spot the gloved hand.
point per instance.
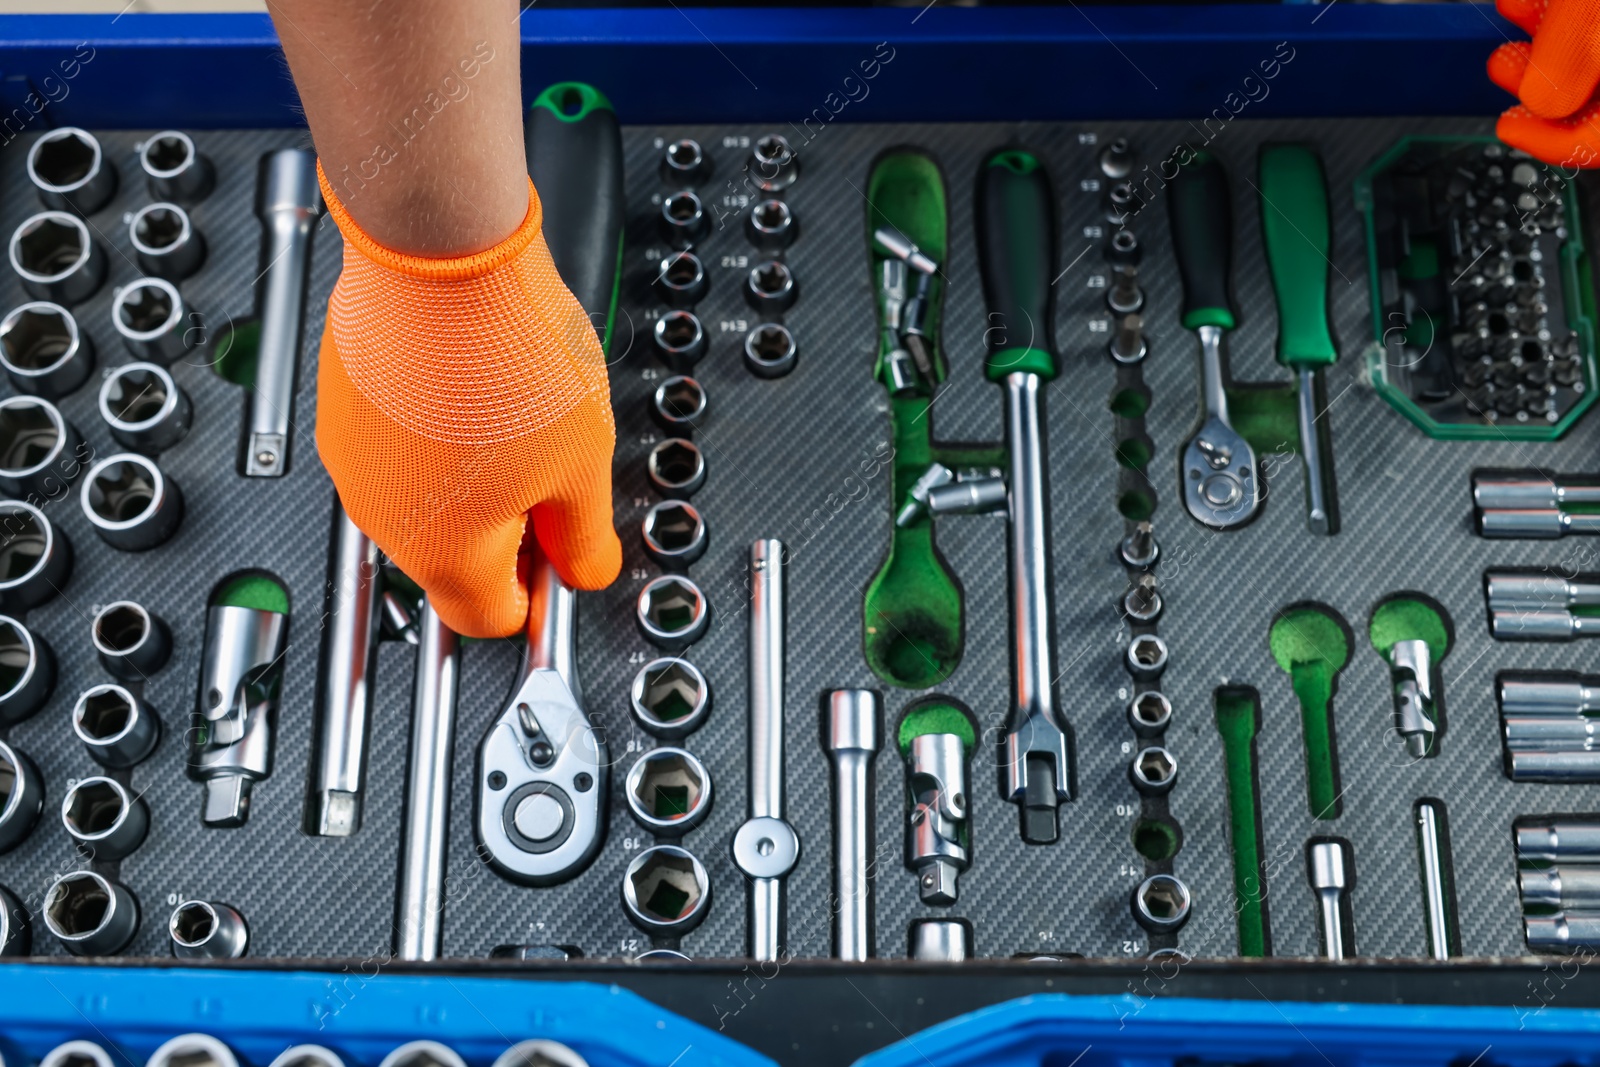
(1555, 77)
(462, 407)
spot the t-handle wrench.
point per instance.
(1016, 225)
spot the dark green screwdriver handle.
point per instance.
(1201, 212)
(1294, 229)
(1016, 222)
(574, 147)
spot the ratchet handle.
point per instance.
(574, 148)
(1016, 225)
(1200, 210)
(1295, 231)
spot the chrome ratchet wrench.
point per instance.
(419, 900)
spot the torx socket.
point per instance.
(25, 800)
(206, 930)
(969, 497)
(144, 408)
(165, 243)
(43, 351)
(1566, 932)
(35, 557)
(852, 732)
(154, 323)
(1563, 733)
(70, 171)
(117, 728)
(1116, 158)
(674, 533)
(39, 449)
(1139, 549)
(770, 287)
(672, 612)
(1149, 713)
(680, 341)
(670, 698)
(90, 914)
(770, 350)
(174, 170)
(1329, 870)
(1539, 524)
(1153, 771)
(130, 503)
(676, 468)
(1556, 839)
(27, 672)
(683, 163)
(1526, 624)
(939, 940)
(678, 404)
(1557, 767)
(16, 933)
(668, 791)
(665, 891)
(1128, 345)
(56, 258)
(1494, 489)
(131, 642)
(1142, 602)
(1574, 887)
(1161, 903)
(1539, 591)
(681, 281)
(103, 819)
(773, 163)
(770, 226)
(683, 219)
(1146, 657)
(1546, 693)
(1125, 297)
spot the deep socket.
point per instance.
(771, 288)
(205, 930)
(90, 914)
(670, 698)
(665, 891)
(43, 351)
(773, 163)
(852, 733)
(770, 351)
(681, 281)
(1328, 868)
(680, 340)
(154, 323)
(70, 171)
(683, 219)
(56, 258)
(1557, 839)
(131, 504)
(1526, 624)
(1537, 524)
(678, 404)
(672, 612)
(103, 819)
(1546, 765)
(676, 468)
(165, 243)
(144, 408)
(131, 642)
(1149, 713)
(1574, 887)
(1546, 693)
(35, 558)
(27, 672)
(684, 163)
(1146, 657)
(1561, 933)
(1153, 771)
(1565, 733)
(770, 226)
(674, 533)
(1539, 591)
(174, 170)
(117, 728)
(1127, 345)
(1161, 903)
(39, 450)
(1496, 489)
(25, 801)
(668, 791)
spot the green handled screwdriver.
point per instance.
(1294, 229)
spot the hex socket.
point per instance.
(56, 258)
(770, 226)
(773, 163)
(676, 468)
(1146, 657)
(118, 729)
(189, 1050)
(38, 448)
(770, 350)
(150, 315)
(16, 932)
(542, 1053)
(27, 672)
(131, 504)
(683, 219)
(770, 287)
(103, 819)
(77, 1054)
(43, 351)
(308, 1056)
(145, 408)
(90, 914)
(670, 698)
(206, 930)
(132, 643)
(683, 162)
(25, 801)
(674, 533)
(1153, 771)
(1149, 713)
(70, 172)
(668, 791)
(1161, 903)
(34, 557)
(678, 404)
(681, 281)
(665, 891)
(165, 242)
(174, 170)
(680, 341)
(672, 612)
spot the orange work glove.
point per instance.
(1555, 78)
(458, 400)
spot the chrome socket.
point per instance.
(27, 672)
(683, 219)
(1557, 838)
(1153, 771)
(25, 800)
(770, 351)
(130, 503)
(770, 288)
(668, 791)
(91, 915)
(972, 496)
(1149, 713)
(939, 940)
(34, 557)
(174, 170)
(70, 172)
(39, 450)
(165, 243)
(1146, 657)
(118, 728)
(672, 612)
(43, 351)
(150, 315)
(1161, 904)
(681, 281)
(308, 1056)
(680, 341)
(678, 405)
(773, 163)
(684, 163)
(670, 698)
(77, 1054)
(56, 258)
(16, 931)
(674, 533)
(677, 468)
(1122, 248)
(541, 1053)
(770, 226)
(422, 1054)
(1561, 933)
(144, 407)
(665, 891)
(205, 930)
(193, 1050)
(131, 642)
(103, 819)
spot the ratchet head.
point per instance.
(1221, 484)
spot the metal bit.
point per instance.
(938, 833)
(892, 242)
(1437, 899)
(1128, 344)
(1125, 297)
(241, 672)
(1411, 669)
(1327, 864)
(1319, 515)
(967, 497)
(936, 475)
(914, 325)
(1142, 602)
(852, 721)
(893, 283)
(1139, 549)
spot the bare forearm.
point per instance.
(415, 108)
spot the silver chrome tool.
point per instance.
(1153, 771)
(56, 258)
(193, 1050)
(1561, 932)
(1536, 523)
(678, 405)
(308, 1056)
(852, 730)
(674, 533)
(541, 1053)
(42, 350)
(1139, 549)
(770, 350)
(969, 496)
(155, 323)
(1415, 708)
(765, 847)
(1150, 713)
(174, 169)
(117, 728)
(681, 282)
(1124, 297)
(1547, 693)
(1574, 887)
(16, 929)
(543, 765)
(206, 930)
(132, 643)
(422, 1054)
(77, 1054)
(1127, 345)
(1116, 158)
(288, 202)
(665, 891)
(70, 172)
(1546, 765)
(670, 698)
(425, 820)
(683, 219)
(1161, 903)
(770, 288)
(770, 226)
(1221, 485)
(1142, 601)
(236, 708)
(680, 340)
(1495, 489)
(130, 503)
(1438, 892)
(23, 802)
(1557, 839)
(935, 476)
(144, 408)
(27, 670)
(1328, 866)
(1537, 605)
(939, 940)
(672, 612)
(103, 819)
(773, 164)
(342, 723)
(1146, 657)
(165, 243)
(1527, 624)
(668, 791)
(939, 833)
(35, 558)
(40, 451)
(684, 163)
(90, 914)
(677, 468)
